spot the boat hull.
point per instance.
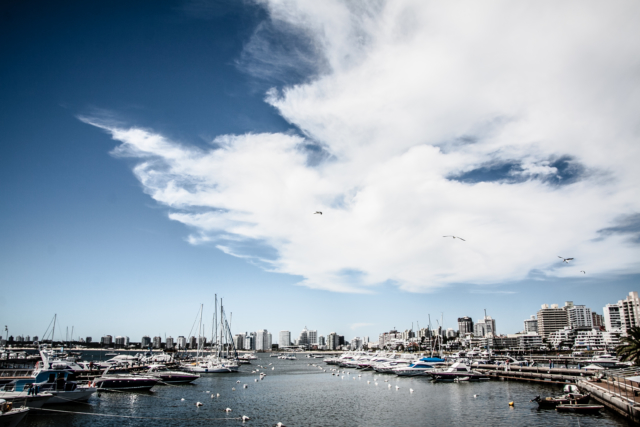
(12, 418)
(123, 384)
(22, 399)
(580, 409)
(78, 395)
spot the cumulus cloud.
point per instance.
(511, 124)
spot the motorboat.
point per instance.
(578, 408)
(60, 384)
(171, 377)
(458, 370)
(571, 395)
(212, 365)
(606, 361)
(287, 357)
(388, 367)
(25, 398)
(10, 416)
(124, 381)
(415, 369)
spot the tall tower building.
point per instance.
(630, 311)
(551, 319)
(284, 339)
(579, 317)
(465, 325)
(531, 325)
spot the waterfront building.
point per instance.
(531, 325)
(589, 340)
(28, 338)
(630, 312)
(387, 338)
(551, 319)
(106, 340)
(119, 341)
(269, 341)
(284, 338)
(499, 342)
(202, 342)
(169, 343)
(332, 341)
(238, 341)
(451, 333)
(611, 339)
(35, 338)
(193, 342)
(612, 319)
(263, 340)
(407, 335)
(157, 342)
(182, 343)
(563, 337)
(485, 327)
(365, 340)
(579, 317)
(312, 336)
(465, 325)
(597, 319)
(250, 341)
(529, 341)
(88, 340)
(321, 341)
(356, 343)
(145, 342)
(303, 339)
(126, 341)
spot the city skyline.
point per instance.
(154, 155)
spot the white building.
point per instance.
(612, 319)
(263, 340)
(250, 341)
(531, 325)
(551, 319)
(579, 317)
(485, 327)
(529, 340)
(332, 341)
(630, 311)
(321, 341)
(284, 339)
(238, 341)
(356, 344)
(590, 340)
(169, 343)
(451, 333)
(157, 342)
(144, 343)
(182, 343)
(562, 337)
(312, 336)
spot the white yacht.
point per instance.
(416, 369)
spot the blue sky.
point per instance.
(155, 155)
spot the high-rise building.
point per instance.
(126, 341)
(238, 341)
(250, 341)
(106, 340)
(551, 319)
(303, 339)
(169, 343)
(332, 341)
(182, 343)
(120, 341)
(597, 319)
(321, 341)
(284, 339)
(612, 318)
(579, 317)
(465, 325)
(485, 327)
(451, 333)
(157, 342)
(263, 340)
(531, 325)
(630, 311)
(193, 343)
(88, 340)
(312, 336)
(145, 342)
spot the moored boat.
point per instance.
(578, 408)
(124, 382)
(10, 416)
(171, 377)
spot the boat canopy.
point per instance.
(432, 359)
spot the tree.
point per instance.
(629, 349)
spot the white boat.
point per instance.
(25, 398)
(9, 415)
(415, 369)
(606, 361)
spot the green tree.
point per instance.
(629, 349)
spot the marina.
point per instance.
(304, 392)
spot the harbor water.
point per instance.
(297, 394)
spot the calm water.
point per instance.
(300, 395)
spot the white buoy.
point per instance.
(397, 388)
(368, 382)
(273, 368)
(233, 389)
(410, 390)
(182, 399)
(389, 385)
(376, 384)
(256, 380)
(238, 382)
(218, 395)
(280, 424)
(227, 410)
(245, 418)
(245, 386)
(199, 404)
(212, 396)
(475, 395)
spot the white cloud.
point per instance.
(416, 93)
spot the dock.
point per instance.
(618, 390)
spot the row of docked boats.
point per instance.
(433, 367)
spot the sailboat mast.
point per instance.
(53, 333)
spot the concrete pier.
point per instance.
(617, 394)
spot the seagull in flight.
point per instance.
(317, 212)
(565, 259)
(456, 237)
(583, 272)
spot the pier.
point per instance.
(618, 390)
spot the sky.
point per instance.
(154, 155)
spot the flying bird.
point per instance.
(456, 237)
(583, 272)
(317, 212)
(565, 259)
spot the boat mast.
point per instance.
(53, 332)
(213, 326)
(200, 334)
